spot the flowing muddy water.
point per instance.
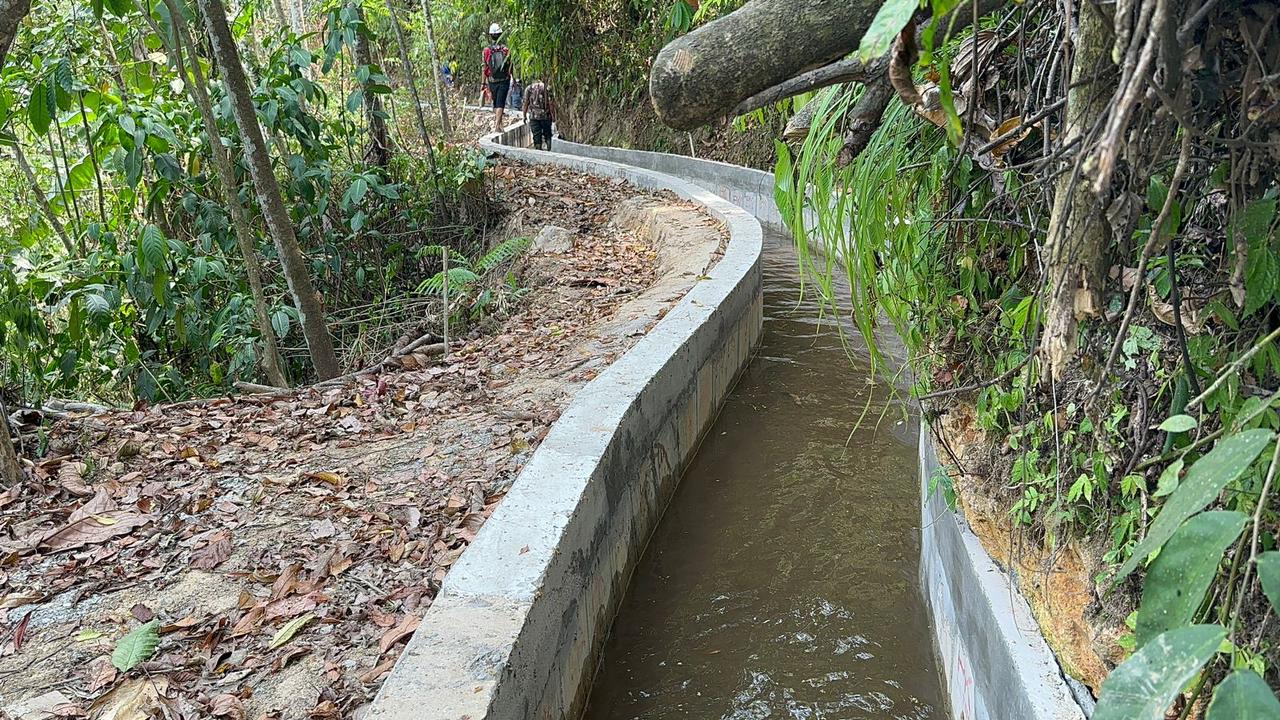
(782, 580)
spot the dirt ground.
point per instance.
(286, 546)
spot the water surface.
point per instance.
(782, 580)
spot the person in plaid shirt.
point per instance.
(540, 112)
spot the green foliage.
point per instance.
(892, 16)
(1144, 686)
(1269, 575)
(949, 251)
(1180, 575)
(152, 302)
(471, 282)
(136, 647)
(1204, 482)
(1243, 696)
(1262, 272)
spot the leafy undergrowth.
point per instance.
(267, 556)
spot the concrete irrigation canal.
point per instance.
(783, 578)
(706, 534)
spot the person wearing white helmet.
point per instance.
(497, 73)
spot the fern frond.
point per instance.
(459, 279)
(504, 252)
(438, 251)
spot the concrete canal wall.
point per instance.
(515, 632)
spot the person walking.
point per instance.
(497, 74)
(540, 112)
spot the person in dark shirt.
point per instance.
(540, 112)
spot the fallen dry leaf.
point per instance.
(40, 707)
(289, 607)
(373, 675)
(214, 554)
(406, 627)
(134, 699)
(101, 673)
(71, 478)
(227, 705)
(291, 628)
(96, 521)
(18, 599)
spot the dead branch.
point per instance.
(902, 59)
(843, 71)
(864, 119)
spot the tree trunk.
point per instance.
(12, 13)
(435, 67)
(705, 74)
(406, 67)
(378, 151)
(280, 14)
(772, 49)
(10, 468)
(272, 363)
(267, 187)
(1077, 228)
(41, 200)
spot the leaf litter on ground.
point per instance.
(283, 548)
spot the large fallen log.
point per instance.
(770, 50)
(704, 75)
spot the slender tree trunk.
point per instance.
(280, 15)
(41, 200)
(267, 187)
(10, 468)
(378, 151)
(272, 364)
(406, 67)
(435, 66)
(1077, 229)
(11, 14)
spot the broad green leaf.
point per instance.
(1269, 574)
(1144, 686)
(1203, 483)
(1184, 569)
(1243, 696)
(38, 110)
(280, 323)
(136, 647)
(64, 76)
(153, 247)
(355, 194)
(81, 175)
(97, 305)
(119, 8)
(291, 628)
(1168, 481)
(1262, 274)
(1178, 423)
(892, 16)
(133, 167)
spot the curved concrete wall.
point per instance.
(517, 627)
(996, 664)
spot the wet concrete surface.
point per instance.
(782, 581)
